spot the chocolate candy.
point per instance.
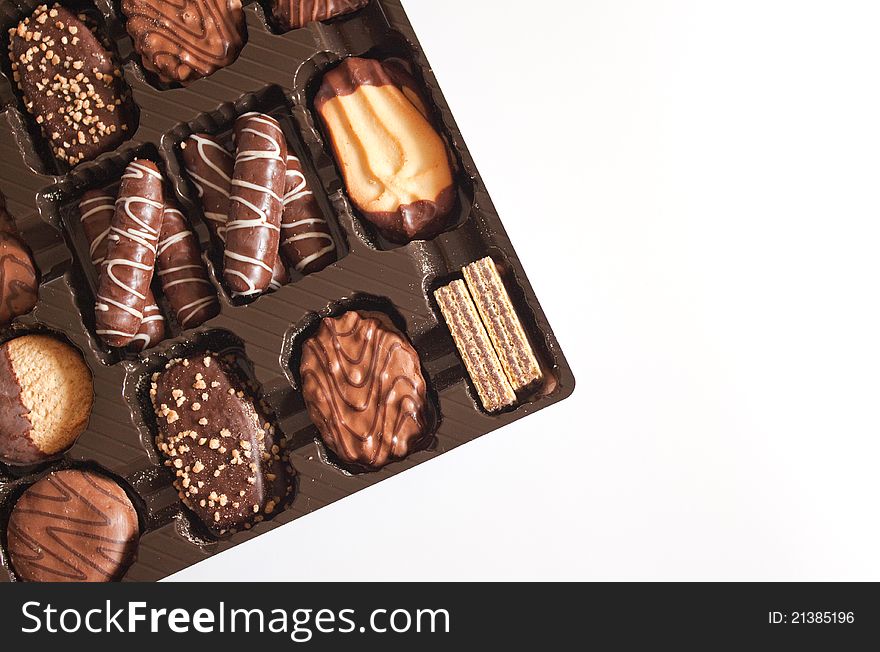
(182, 273)
(19, 279)
(363, 386)
(46, 398)
(72, 526)
(96, 210)
(395, 165)
(502, 324)
(72, 86)
(306, 242)
(185, 40)
(226, 463)
(255, 206)
(210, 166)
(127, 271)
(293, 14)
(280, 276)
(475, 347)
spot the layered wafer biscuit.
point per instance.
(475, 347)
(502, 323)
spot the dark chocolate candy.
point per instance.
(19, 279)
(363, 386)
(72, 526)
(97, 208)
(210, 166)
(306, 242)
(71, 84)
(226, 461)
(185, 40)
(396, 166)
(293, 14)
(253, 228)
(182, 273)
(127, 271)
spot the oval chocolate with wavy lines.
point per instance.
(364, 389)
(19, 281)
(185, 40)
(293, 14)
(72, 526)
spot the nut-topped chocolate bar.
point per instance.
(248, 268)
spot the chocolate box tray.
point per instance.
(277, 73)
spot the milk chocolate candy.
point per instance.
(502, 324)
(223, 454)
(293, 14)
(152, 328)
(127, 271)
(280, 275)
(210, 166)
(253, 228)
(363, 386)
(182, 273)
(72, 526)
(395, 165)
(185, 40)
(73, 86)
(19, 278)
(97, 208)
(476, 349)
(306, 242)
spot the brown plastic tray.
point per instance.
(277, 74)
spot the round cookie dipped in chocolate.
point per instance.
(293, 14)
(253, 228)
(396, 167)
(363, 386)
(185, 40)
(72, 526)
(127, 272)
(182, 273)
(71, 84)
(19, 279)
(46, 398)
(96, 209)
(306, 242)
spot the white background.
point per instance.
(692, 187)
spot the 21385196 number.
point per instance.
(822, 617)
(812, 617)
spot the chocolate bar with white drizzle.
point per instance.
(306, 242)
(96, 212)
(127, 271)
(253, 227)
(210, 166)
(182, 273)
